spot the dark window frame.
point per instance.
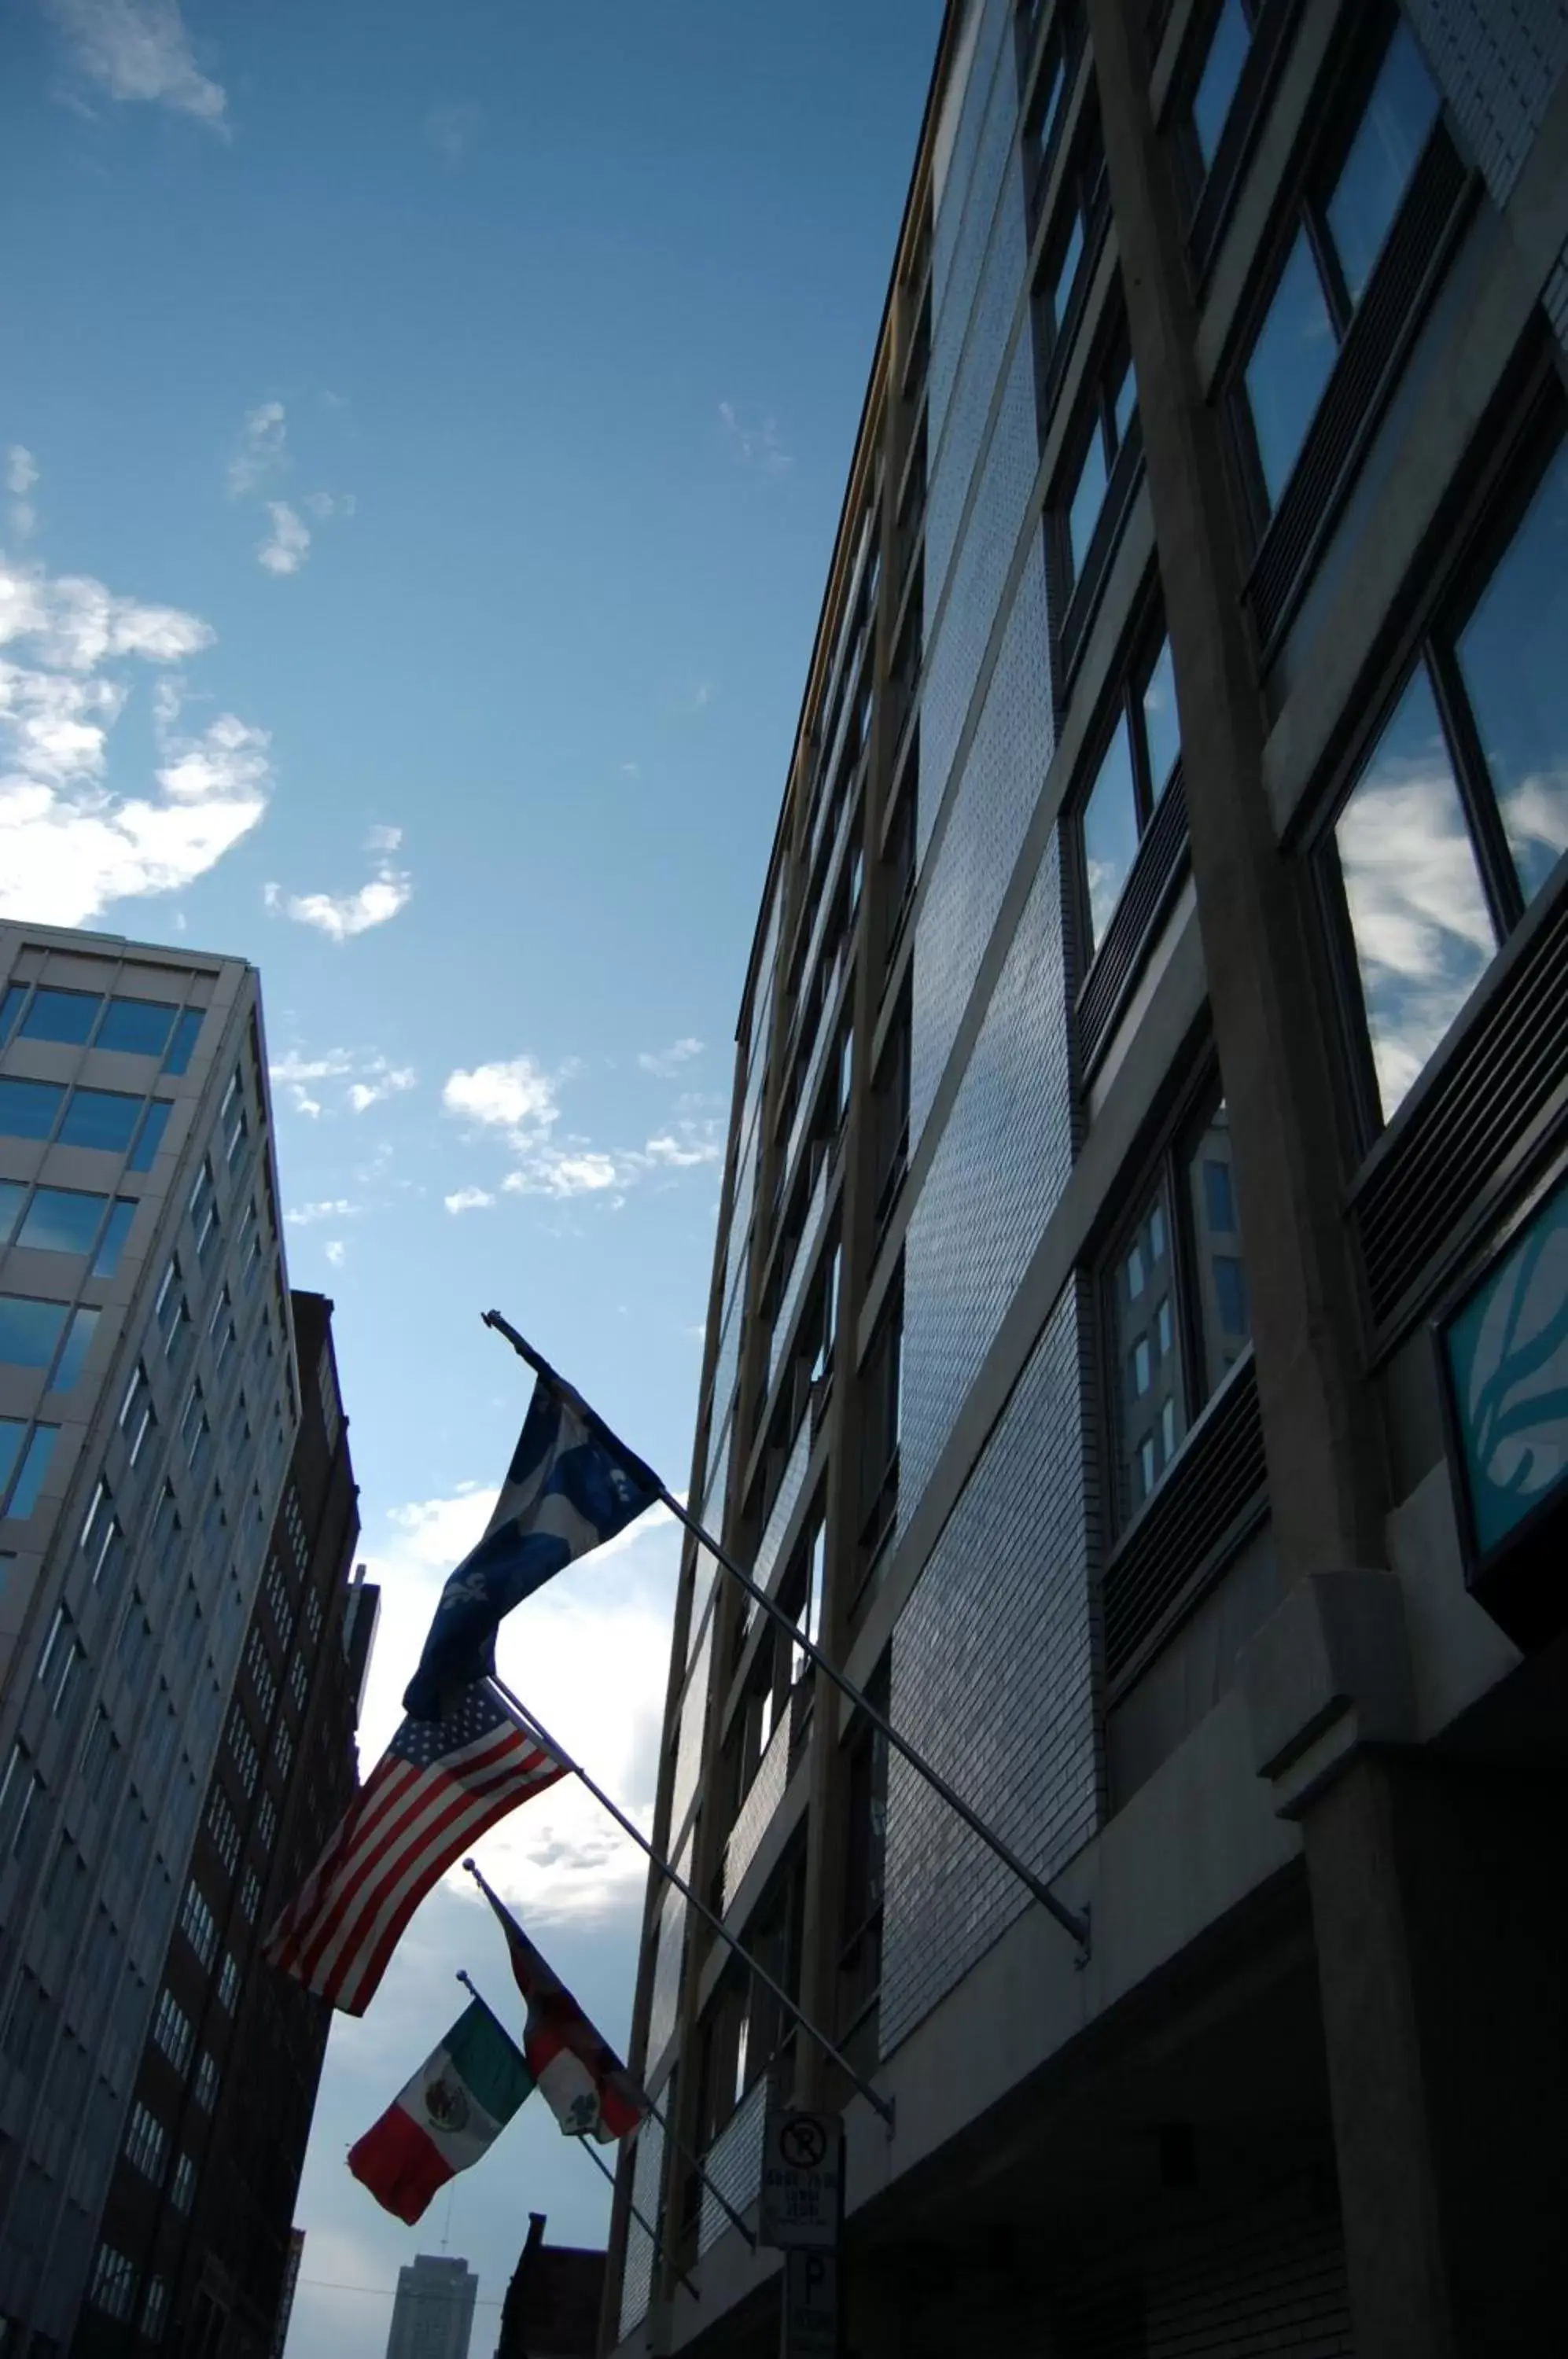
(1493, 501)
(1077, 589)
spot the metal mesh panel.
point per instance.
(637, 2279)
(733, 2162)
(1498, 62)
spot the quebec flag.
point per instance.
(570, 1487)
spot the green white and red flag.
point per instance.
(451, 2114)
(578, 2074)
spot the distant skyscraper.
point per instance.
(149, 1404)
(433, 2314)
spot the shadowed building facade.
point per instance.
(1137, 1348)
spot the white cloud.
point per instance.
(71, 846)
(341, 915)
(667, 1062)
(389, 1082)
(451, 130)
(518, 1099)
(573, 1170)
(384, 839)
(689, 1145)
(590, 1652)
(469, 1199)
(263, 449)
(755, 445)
(21, 474)
(335, 1251)
(328, 1208)
(290, 543)
(515, 1095)
(140, 51)
(367, 1078)
(325, 505)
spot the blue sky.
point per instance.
(424, 430)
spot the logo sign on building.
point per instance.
(801, 2199)
(1503, 1351)
(811, 2306)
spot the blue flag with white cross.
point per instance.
(570, 1487)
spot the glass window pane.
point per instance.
(12, 1429)
(1511, 653)
(1152, 1411)
(1291, 363)
(185, 1037)
(1161, 729)
(11, 1194)
(116, 1229)
(1124, 401)
(1417, 910)
(61, 1015)
(1217, 83)
(151, 1136)
(61, 1220)
(1223, 1321)
(1088, 499)
(27, 1109)
(1055, 79)
(34, 1467)
(1383, 154)
(1067, 271)
(102, 1118)
(1110, 833)
(10, 1008)
(29, 1331)
(78, 1343)
(137, 1027)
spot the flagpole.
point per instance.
(517, 1711)
(658, 2243)
(1071, 1921)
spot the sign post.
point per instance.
(800, 2212)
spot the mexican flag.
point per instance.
(452, 2112)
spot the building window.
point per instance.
(866, 1845)
(1110, 404)
(882, 1419)
(204, 1211)
(114, 2282)
(233, 1122)
(1134, 769)
(1342, 222)
(242, 1749)
(298, 1681)
(1048, 108)
(228, 1983)
(24, 1462)
(155, 2302)
(171, 1312)
(1219, 75)
(1458, 816)
(267, 1825)
(283, 1749)
(147, 2141)
(182, 2188)
(199, 1924)
(29, 1331)
(250, 1895)
(61, 1661)
(104, 1119)
(1069, 248)
(223, 1828)
(66, 1017)
(204, 2089)
(1176, 1300)
(137, 1028)
(173, 2030)
(136, 1417)
(186, 1033)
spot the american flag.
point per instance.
(434, 1791)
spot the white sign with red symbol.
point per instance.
(801, 2199)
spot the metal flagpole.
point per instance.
(652, 2233)
(525, 1720)
(1071, 1921)
(652, 2110)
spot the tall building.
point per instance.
(194, 2241)
(150, 1401)
(1137, 1337)
(432, 2316)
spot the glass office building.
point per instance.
(1136, 1340)
(149, 1403)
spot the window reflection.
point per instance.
(1383, 154)
(1217, 84)
(1417, 909)
(1512, 656)
(1291, 363)
(1110, 833)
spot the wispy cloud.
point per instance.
(140, 50)
(325, 505)
(326, 1208)
(288, 545)
(469, 1199)
(518, 1100)
(341, 916)
(361, 1079)
(382, 839)
(21, 474)
(666, 1062)
(451, 130)
(753, 443)
(336, 1252)
(70, 844)
(262, 450)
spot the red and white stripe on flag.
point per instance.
(440, 1784)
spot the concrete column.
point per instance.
(1440, 1917)
(1321, 1427)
